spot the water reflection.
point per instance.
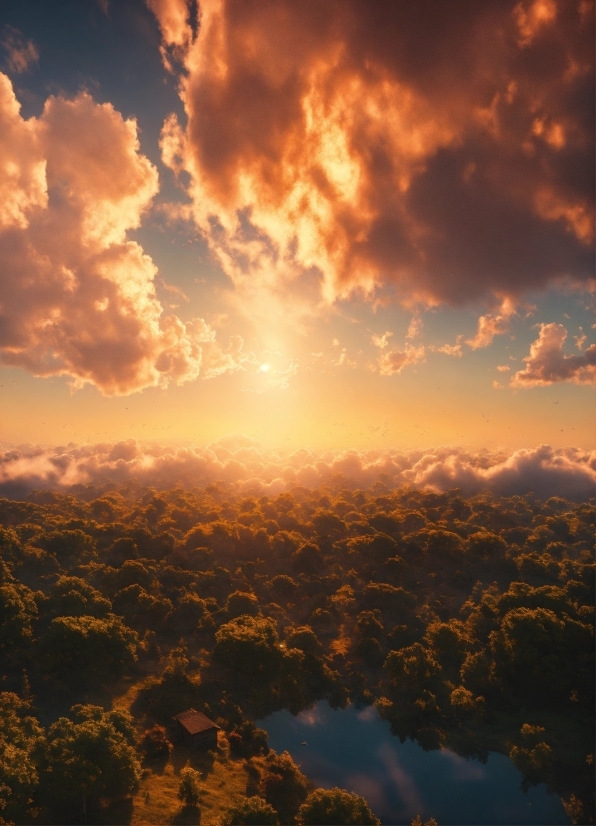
(354, 749)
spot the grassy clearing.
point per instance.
(223, 783)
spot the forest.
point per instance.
(467, 622)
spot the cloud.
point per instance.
(239, 462)
(547, 363)
(381, 341)
(403, 780)
(77, 297)
(450, 349)
(277, 378)
(414, 328)
(503, 368)
(20, 53)
(433, 153)
(580, 339)
(393, 361)
(490, 326)
(343, 360)
(176, 26)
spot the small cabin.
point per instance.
(196, 730)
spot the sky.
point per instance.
(346, 226)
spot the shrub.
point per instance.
(252, 812)
(189, 791)
(246, 740)
(155, 743)
(331, 807)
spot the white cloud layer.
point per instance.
(238, 461)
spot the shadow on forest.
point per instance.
(118, 811)
(187, 816)
(162, 700)
(181, 756)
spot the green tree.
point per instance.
(308, 559)
(370, 652)
(413, 668)
(248, 646)
(18, 612)
(20, 739)
(155, 742)
(246, 740)
(283, 785)
(141, 609)
(331, 807)
(91, 755)
(71, 596)
(251, 812)
(368, 625)
(10, 548)
(88, 648)
(304, 639)
(283, 586)
(189, 790)
(189, 611)
(68, 545)
(541, 655)
(242, 602)
(465, 706)
(449, 643)
(534, 757)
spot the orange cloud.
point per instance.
(337, 149)
(450, 349)
(532, 17)
(77, 298)
(414, 328)
(20, 53)
(490, 326)
(547, 363)
(381, 341)
(394, 361)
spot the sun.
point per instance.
(264, 368)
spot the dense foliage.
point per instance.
(330, 807)
(468, 622)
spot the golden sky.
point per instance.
(317, 225)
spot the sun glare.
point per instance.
(264, 368)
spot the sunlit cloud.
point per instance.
(350, 169)
(381, 341)
(240, 462)
(20, 53)
(77, 297)
(490, 326)
(450, 349)
(394, 361)
(547, 364)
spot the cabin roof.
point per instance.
(195, 721)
